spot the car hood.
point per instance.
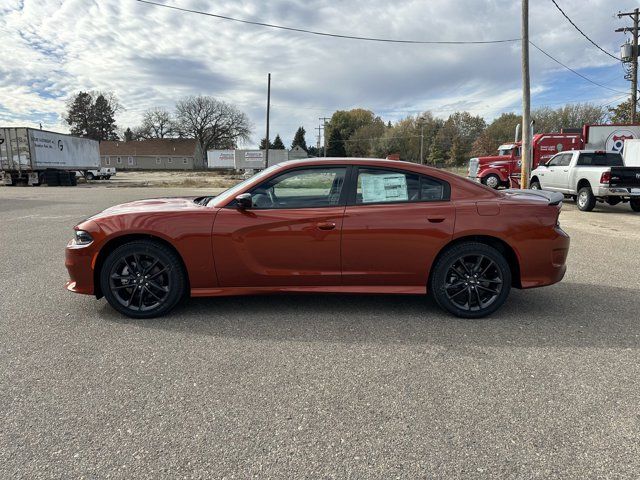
(152, 205)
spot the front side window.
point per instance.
(305, 188)
(556, 161)
(389, 186)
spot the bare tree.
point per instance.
(156, 123)
(214, 124)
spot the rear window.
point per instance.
(597, 159)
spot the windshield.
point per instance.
(504, 152)
(230, 193)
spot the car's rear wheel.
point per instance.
(492, 181)
(471, 280)
(635, 204)
(143, 279)
(586, 201)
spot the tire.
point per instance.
(89, 176)
(154, 268)
(535, 185)
(470, 297)
(108, 177)
(74, 180)
(51, 178)
(64, 179)
(635, 204)
(585, 200)
(492, 181)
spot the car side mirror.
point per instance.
(244, 201)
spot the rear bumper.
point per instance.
(543, 258)
(79, 263)
(617, 192)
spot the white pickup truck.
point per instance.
(589, 176)
(102, 173)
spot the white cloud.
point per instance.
(151, 56)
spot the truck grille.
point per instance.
(473, 168)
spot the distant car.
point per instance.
(590, 176)
(319, 226)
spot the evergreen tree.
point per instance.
(277, 143)
(299, 140)
(128, 135)
(263, 144)
(335, 144)
(92, 115)
(103, 119)
(80, 115)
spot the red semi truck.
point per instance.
(495, 171)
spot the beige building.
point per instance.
(153, 154)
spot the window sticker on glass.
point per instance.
(384, 188)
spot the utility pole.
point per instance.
(324, 129)
(634, 59)
(526, 99)
(266, 157)
(319, 128)
(421, 139)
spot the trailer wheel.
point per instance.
(492, 181)
(89, 176)
(635, 204)
(51, 178)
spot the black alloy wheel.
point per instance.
(471, 280)
(143, 279)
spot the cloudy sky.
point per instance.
(150, 56)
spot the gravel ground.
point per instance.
(315, 386)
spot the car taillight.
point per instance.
(605, 177)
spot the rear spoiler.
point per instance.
(554, 198)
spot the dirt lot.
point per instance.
(217, 180)
(315, 386)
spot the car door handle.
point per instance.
(435, 219)
(565, 170)
(326, 225)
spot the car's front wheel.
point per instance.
(143, 279)
(471, 280)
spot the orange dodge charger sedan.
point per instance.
(325, 225)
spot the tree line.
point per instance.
(358, 132)
(426, 138)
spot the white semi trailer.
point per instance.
(36, 157)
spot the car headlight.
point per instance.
(82, 238)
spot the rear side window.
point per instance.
(600, 159)
(391, 186)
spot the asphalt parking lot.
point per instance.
(315, 386)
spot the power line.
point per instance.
(335, 35)
(584, 34)
(572, 70)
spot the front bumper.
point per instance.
(80, 263)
